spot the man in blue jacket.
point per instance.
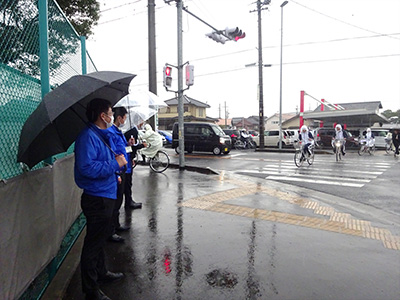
(121, 145)
(95, 172)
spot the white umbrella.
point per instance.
(141, 98)
(141, 106)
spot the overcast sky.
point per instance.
(339, 50)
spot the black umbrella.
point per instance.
(57, 121)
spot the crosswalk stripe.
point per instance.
(314, 181)
(306, 176)
(311, 171)
(327, 170)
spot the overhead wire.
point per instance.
(121, 5)
(296, 44)
(341, 21)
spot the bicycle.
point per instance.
(337, 144)
(158, 163)
(366, 148)
(389, 147)
(301, 155)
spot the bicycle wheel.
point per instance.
(310, 158)
(338, 154)
(361, 150)
(298, 159)
(371, 150)
(388, 148)
(239, 145)
(160, 162)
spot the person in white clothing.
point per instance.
(339, 135)
(306, 138)
(154, 141)
(369, 138)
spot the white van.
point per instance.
(380, 135)
(271, 138)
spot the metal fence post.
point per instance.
(83, 53)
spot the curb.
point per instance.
(201, 170)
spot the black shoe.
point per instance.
(116, 238)
(96, 295)
(122, 228)
(134, 205)
(110, 277)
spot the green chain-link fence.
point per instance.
(20, 90)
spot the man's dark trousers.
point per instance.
(98, 212)
(128, 190)
(118, 204)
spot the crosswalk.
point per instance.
(323, 172)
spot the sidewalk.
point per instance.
(219, 236)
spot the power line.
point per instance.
(297, 44)
(305, 62)
(115, 7)
(338, 20)
(130, 15)
(290, 63)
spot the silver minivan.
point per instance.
(380, 135)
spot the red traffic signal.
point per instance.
(167, 78)
(235, 33)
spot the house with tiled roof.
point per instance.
(193, 111)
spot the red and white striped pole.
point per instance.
(301, 108)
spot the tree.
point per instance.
(83, 14)
(390, 114)
(19, 32)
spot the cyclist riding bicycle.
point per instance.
(307, 138)
(339, 135)
(153, 140)
(369, 138)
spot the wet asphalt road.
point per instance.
(235, 236)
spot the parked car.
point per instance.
(141, 132)
(253, 132)
(271, 139)
(293, 135)
(233, 133)
(205, 137)
(323, 138)
(167, 135)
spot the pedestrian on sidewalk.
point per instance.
(396, 140)
(95, 172)
(120, 143)
(132, 133)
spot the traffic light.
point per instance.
(235, 33)
(167, 78)
(216, 37)
(189, 75)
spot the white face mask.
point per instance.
(111, 121)
(122, 124)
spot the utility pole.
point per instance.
(152, 55)
(260, 72)
(180, 88)
(260, 78)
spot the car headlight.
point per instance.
(222, 140)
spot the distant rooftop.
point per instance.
(187, 100)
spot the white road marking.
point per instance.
(314, 181)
